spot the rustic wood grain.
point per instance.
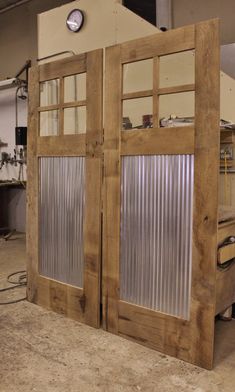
(92, 225)
(138, 94)
(32, 186)
(173, 41)
(183, 88)
(65, 145)
(206, 176)
(111, 221)
(69, 66)
(175, 140)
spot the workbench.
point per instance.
(225, 278)
(4, 187)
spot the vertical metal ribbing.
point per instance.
(156, 232)
(62, 198)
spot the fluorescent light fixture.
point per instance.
(8, 83)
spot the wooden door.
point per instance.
(142, 154)
(64, 186)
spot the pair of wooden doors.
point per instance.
(146, 197)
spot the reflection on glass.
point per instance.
(49, 92)
(75, 88)
(177, 69)
(75, 120)
(49, 123)
(138, 76)
(137, 113)
(179, 107)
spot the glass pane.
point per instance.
(49, 123)
(137, 113)
(138, 76)
(75, 88)
(75, 120)
(176, 109)
(177, 69)
(49, 92)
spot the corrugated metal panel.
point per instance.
(156, 232)
(62, 197)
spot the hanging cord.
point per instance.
(21, 281)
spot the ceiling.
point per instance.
(146, 9)
(7, 3)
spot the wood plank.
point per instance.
(159, 44)
(94, 135)
(177, 140)
(226, 253)
(74, 104)
(61, 110)
(61, 298)
(92, 224)
(63, 145)
(156, 79)
(111, 202)
(138, 94)
(225, 289)
(62, 105)
(32, 186)
(176, 89)
(61, 68)
(154, 329)
(48, 108)
(206, 175)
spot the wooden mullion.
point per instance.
(48, 108)
(176, 89)
(74, 104)
(61, 109)
(138, 94)
(156, 77)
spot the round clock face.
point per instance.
(75, 20)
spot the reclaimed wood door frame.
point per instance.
(80, 304)
(191, 340)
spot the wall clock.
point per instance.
(75, 20)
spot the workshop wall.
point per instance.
(186, 12)
(18, 35)
(7, 129)
(13, 205)
(107, 23)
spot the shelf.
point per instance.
(227, 136)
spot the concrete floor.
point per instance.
(45, 352)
